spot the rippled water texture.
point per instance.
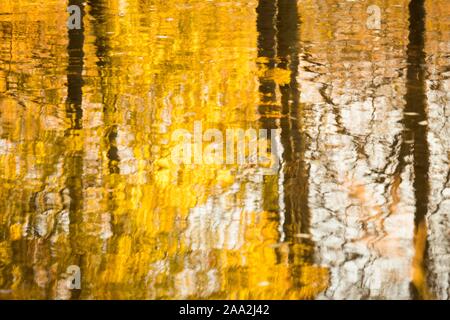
(359, 208)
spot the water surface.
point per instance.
(359, 208)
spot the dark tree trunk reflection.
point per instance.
(278, 48)
(74, 162)
(416, 129)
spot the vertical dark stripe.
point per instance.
(416, 129)
(265, 22)
(74, 162)
(416, 126)
(75, 71)
(97, 11)
(296, 172)
(266, 15)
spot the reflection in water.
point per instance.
(416, 131)
(358, 209)
(74, 162)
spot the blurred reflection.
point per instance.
(357, 210)
(416, 131)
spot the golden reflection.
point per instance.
(355, 211)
